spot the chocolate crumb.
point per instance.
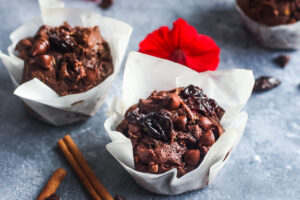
(265, 83)
(118, 197)
(105, 4)
(282, 60)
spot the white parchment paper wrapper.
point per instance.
(41, 99)
(143, 74)
(276, 37)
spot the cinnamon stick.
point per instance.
(53, 183)
(100, 189)
(85, 181)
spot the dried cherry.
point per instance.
(158, 125)
(197, 100)
(62, 42)
(265, 83)
(135, 117)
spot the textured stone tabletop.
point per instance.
(265, 165)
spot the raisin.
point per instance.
(61, 42)
(134, 117)
(192, 91)
(158, 125)
(197, 100)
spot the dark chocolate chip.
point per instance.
(203, 150)
(105, 4)
(44, 61)
(196, 131)
(282, 60)
(205, 123)
(218, 131)
(24, 44)
(180, 122)
(192, 157)
(208, 139)
(265, 83)
(171, 101)
(40, 46)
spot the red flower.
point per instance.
(183, 45)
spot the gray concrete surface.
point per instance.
(264, 166)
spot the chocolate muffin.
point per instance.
(172, 129)
(272, 12)
(68, 60)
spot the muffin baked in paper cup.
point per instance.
(144, 74)
(41, 99)
(285, 36)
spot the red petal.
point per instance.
(204, 56)
(184, 45)
(182, 33)
(157, 43)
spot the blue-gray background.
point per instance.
(264, 166)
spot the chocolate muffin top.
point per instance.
(272, 12)
(69, 60)
(172, 129)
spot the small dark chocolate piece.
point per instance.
(40, 46)
(265, 83)
(44, 61)
(172, 129)
(282, 60)
(192, 157)
(105, 4)
(118, 197)
(53, 197)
